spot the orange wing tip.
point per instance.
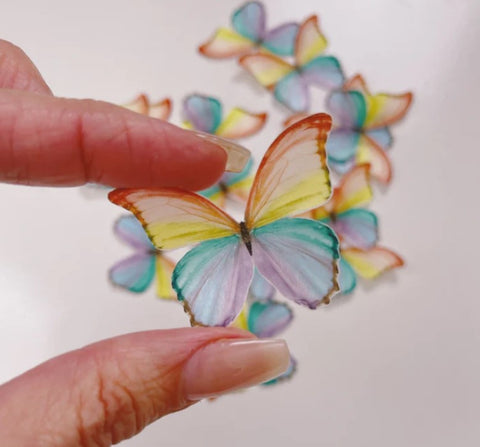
(140, 104)
(164, 106)
(356, 82)
(292, 119)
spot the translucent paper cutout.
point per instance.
(361, 127)
(298, 256)
(290, 83)
(249, 34)
(141, 104)
(137, 272)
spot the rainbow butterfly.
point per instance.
(141, 104)
(137, 272)
(290, 83)
(267, 319)
(205, 113)
(361, 133)
(249, 34)
(298, 256)
(357, 230)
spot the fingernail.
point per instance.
(237, 156)
(228, 365)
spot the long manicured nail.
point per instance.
(237, 156)
(228, 365)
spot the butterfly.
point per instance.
(290, 83)
(249, 34)
(141, 104)
(361, 132)
(260, 288)
(357, 230)
(205, 113)
(136, 273)
(368, 264)
(298, 256)
(267, 319)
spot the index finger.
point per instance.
(66, 142)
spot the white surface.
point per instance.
(397, 364)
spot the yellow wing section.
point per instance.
(175, 218)
(371, 153)
(293, 176)
(226, 43)
(241, 321)
(239, 124)
(164, 269)
(310, 42)
(266, 68)
(354, 190)
(371, 263)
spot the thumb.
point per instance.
(109, 391)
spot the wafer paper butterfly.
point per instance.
(267, 319)
(357, 230)
(361, 132)
(136, 273)
(290, 83)
(250, 34)
(260, 289)
(298, 256)
(205, 113)
(141, 104)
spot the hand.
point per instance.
(109, 391)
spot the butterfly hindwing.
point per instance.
(134, 273)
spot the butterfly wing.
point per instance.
(381, 136)
(299, 257)
(385, 109)
(342, 144)
(371, 153)
(281, 40)
(249, 21)
(347, 279)
(310, 41)
(371, 263)
(292, 91)
(140, 104)
(324, 72)
(161, 109)
(226, 43)
(356, 228)
(175, 218)
(212, 280)
(292, 368)
(203, 112)
(130, 230)
(267, 69)
(240, 123)
(134, 273)
(164, 270)
(293, 176)
(348, 109)
(261, 289)
(268, 319)
(354, 190)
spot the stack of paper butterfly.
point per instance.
(299, 237)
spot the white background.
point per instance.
(398, 363)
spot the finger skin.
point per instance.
(105, 392)
(66, 142)
(18, 72)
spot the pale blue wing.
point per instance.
(213, 279)
(249, 21)
(130, 230)
(348, 109)
(281, 40)
(292, 368)
(134, 273)
(261, 289)
(268, 319)
(292, 91)
(324, 72)
(341, 167)
(299, 257)
(342, 144)
(203, 112)
(357, 228)
(382, 136)
(347, 277)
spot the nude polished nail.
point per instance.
(228, 365)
